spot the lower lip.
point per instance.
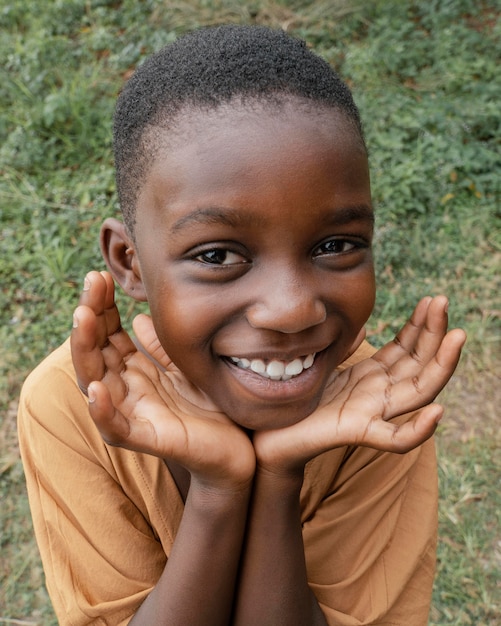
(280, 391)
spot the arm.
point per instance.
(273, 571)
(137, 407)
(403, 377)
(198, 583)
(200, 577)
(273, 586)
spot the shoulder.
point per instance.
(52, 406)
(54, 369)
(53, 382)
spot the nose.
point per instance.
(287, 306)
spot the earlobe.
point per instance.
(119, 253)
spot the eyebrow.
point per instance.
(233, 218)
(215, 215)
(355, 213)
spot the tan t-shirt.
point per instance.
(106, 518)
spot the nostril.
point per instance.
(287, 315)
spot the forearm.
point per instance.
(273, 587)
(197, 585)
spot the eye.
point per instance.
(220, 256)
(335, 246)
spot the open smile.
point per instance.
(276, 381)
(260, 388)
(275, 369)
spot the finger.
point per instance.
(94, 297)
(406, 338)
(91, 358)
(431, 333)
(98, 291)
(113, 426)
(418, 341)
(417, 390)
(86, 353)
(93, 352)
(156, 434)
(427, 343)
(111, 313)
(148, 338)
(98, 295)
(401, 438)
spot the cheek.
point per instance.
(185, 324)
(366, 299)
(171, 314)
(177, 326)
(360, 296)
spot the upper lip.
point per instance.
(268, 355)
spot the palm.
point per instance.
(137, 406)
(360, 401)
(382, 402)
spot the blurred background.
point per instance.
(425, 74)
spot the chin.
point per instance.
(271, 418)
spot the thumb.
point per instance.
(149, 341)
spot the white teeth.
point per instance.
(308, 362)
(294, 367)
(257, 366)
(275, 370)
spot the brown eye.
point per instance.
(335, 246)
(220, 256)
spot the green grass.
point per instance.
(469, 543)
(425, 74)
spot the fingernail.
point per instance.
(446, 308)
(75, 320)
(91, 395)
(86, 286)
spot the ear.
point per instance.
(119, 253)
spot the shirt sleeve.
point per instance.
(370, 545)
(100, 553)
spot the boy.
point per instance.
(242, 468)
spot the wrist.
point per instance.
(219, 497)
(276, 458)
(283, 481)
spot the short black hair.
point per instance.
(204, 70)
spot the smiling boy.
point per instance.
(242, 470)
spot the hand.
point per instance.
(404, 377)
(136, 406)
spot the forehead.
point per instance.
(224, 123)
(215, 156)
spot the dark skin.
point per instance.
(299, 225)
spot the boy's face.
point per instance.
(254, 244)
